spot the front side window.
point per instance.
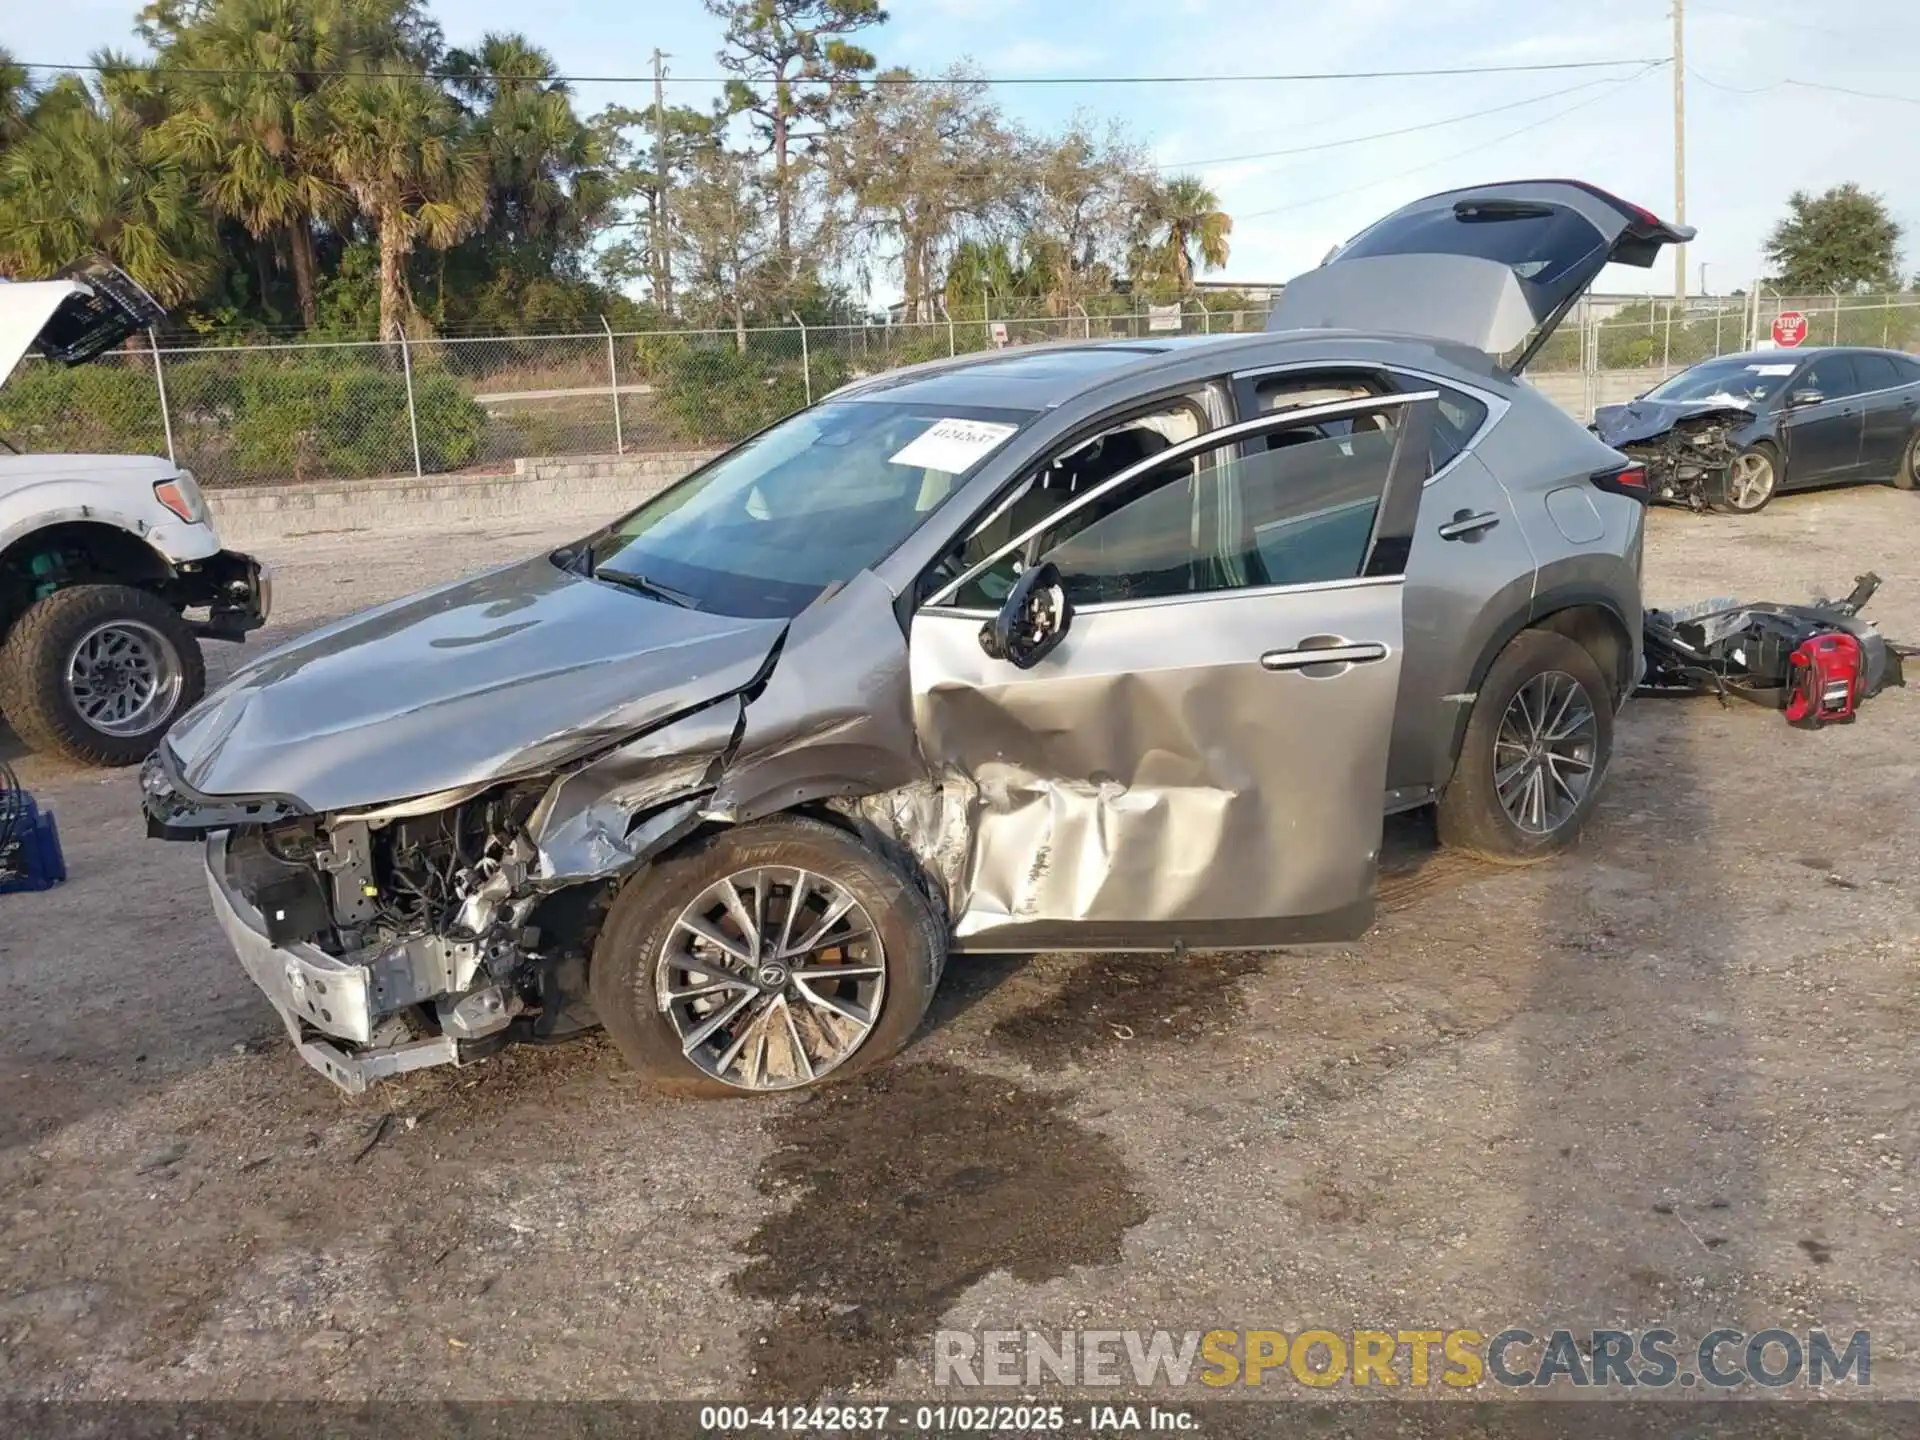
(1832, 376)
(809, 503)
(1293, 508)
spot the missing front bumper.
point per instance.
(326, 1004)
(235, 588)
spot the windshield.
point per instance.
(1741, 381)
(812, 502)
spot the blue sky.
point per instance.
(1745, 151)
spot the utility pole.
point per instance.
(662, 267)
(1679, 145)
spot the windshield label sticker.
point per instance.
(954, 446)
(1773, 369)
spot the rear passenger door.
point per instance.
(1470, 569)
(1888, 408)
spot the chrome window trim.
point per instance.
(1205, 440)
(1497, 405)
(1101, 607)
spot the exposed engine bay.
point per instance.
(441, 911)
(1688, 463)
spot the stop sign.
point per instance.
(1789, 328)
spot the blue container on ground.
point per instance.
(30, 856)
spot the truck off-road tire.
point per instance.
(1536, 752)
(715, 973)
(1750, 481)
(1907, 477)
(98, 672)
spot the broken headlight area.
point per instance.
(433, 923)
(1689, 463)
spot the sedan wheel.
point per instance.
(1750, 482)
(772, 978)
(1543, 755)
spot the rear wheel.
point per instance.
(1750, 481)
(1536, 750)
(98, 673)
(769, 957)
(1907, 477)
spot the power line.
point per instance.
(1384, 134)
(1802, 85)
(891, 80)
(1648, 69)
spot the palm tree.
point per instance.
(249, 81)
(16, 98)
(546, 183)
(1186, 216)
(85, 179)
(395, 142)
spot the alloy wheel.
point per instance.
(1750, 481)
(1543, 755)
(124, 677)
(771, 978)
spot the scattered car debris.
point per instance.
(1816, 663)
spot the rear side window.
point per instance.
(1876, 372)
(1908, 367)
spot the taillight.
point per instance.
(1627, 480)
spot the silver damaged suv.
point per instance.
(1125, 645)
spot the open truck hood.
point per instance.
(505, 674)
(71, 319)
(1495, 267)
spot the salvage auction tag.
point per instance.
(954, 446)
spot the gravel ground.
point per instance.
(1666, 1080)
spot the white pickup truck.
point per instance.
(110, 570)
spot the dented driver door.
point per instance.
(1201, 757)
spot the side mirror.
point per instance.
(1805, 397)
(1032, 620)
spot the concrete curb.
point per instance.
(589, 488)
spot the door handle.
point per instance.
(1329, 651)
(1466, 525)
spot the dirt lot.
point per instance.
(1669, 1079)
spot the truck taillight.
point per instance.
(1628, 480)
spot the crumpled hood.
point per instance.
(1644, 419)
(503, 674)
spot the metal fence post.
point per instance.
(1836, 314)
(1666, 354)
(613, 389)
(806, 357)
(947, 315)
(160, 384)
(413, 413)
(1589, 351)
(1886, 321)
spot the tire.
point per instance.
(631, 958)
(1472, 814)
(38, 692)
(1907, 477)
(1732, 497)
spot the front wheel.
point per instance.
(1536, 750)
(1749, 482)
(98, 672)
(769, 957)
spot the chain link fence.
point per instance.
(254, 414)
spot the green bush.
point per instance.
(715, 394)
